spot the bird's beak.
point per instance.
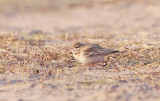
(72, 51)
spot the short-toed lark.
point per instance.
(90, 53)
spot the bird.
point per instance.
(88, 53)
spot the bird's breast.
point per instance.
(93, 59)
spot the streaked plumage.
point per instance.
(90, 53)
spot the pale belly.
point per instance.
(93, 59)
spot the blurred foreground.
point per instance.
(35, 50)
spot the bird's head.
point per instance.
(76, 48)
(78, 45)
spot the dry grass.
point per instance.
(41, 52)
(49, 58)
(35, 65)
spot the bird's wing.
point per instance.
(95, 49)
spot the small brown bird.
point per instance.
(90, 53)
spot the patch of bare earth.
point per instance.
(36, 62)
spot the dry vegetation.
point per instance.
(50, 58)
(41, 50)
(37, 63)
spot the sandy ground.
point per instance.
(138, 20)
(98, 18)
